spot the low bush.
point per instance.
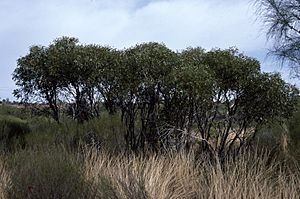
(107, 132)
(12, 132)
(294, 132)
(51, 173)
(104, 132)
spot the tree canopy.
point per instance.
(165, 99)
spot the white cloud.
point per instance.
(182, 23)
(178, 23)
(123, 23)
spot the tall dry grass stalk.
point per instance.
(179, 176)
(61, 174)
(5, 181)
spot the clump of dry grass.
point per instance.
(251, 175)
(57, 173)
(5, 181)
(179, 176)
(157, 176)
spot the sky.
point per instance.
(123, 23)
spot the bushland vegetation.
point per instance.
(165, 99)
(65, 161)
(148, 122)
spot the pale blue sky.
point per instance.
(123, 23)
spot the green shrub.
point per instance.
(12, 132)
(294, 131)
(51, 173)
(107, 132)
(42, 132)
(108, 129)
(269, 136)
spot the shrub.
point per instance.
(12, 132)
(46, 174)
(294, 131)
(107, 132)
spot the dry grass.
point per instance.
(59, 174)
(178, 176)
(4, 180)
(141, 177)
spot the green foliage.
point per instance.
(294, 133)
(162, 96)
(105, 132)
(269, 98)
(147, 68)
(294, 128)
(36, 80)
(51, 173)
(12, 132)
(230, 68)
(270, 136)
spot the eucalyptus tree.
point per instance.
(244, 99)
(64, 70)
(144, 74)
(267, 98)
(164, 97)
(36, 79)
(189, 88)
(66, 57)
(77, 68)
(231, 72)
(87, 62)
(108, 76)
